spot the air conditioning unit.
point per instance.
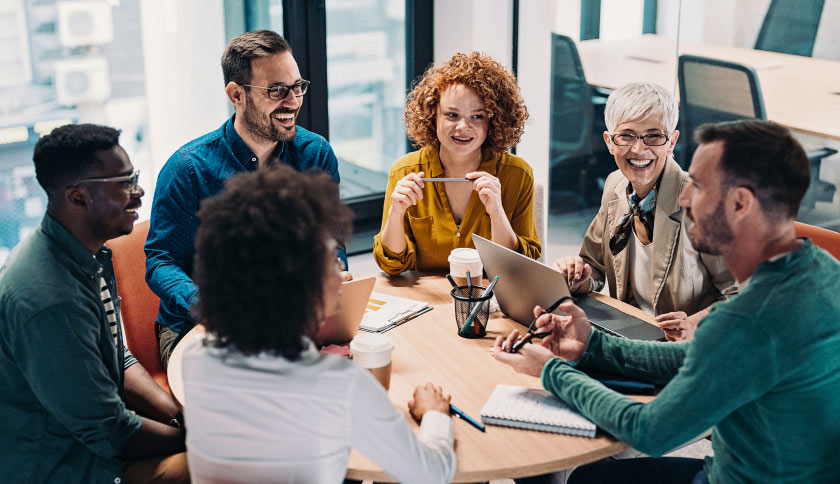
(82, 80)
(85, 23)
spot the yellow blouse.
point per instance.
(430, 229)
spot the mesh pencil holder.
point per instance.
(464, 304)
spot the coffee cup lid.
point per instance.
(464, 255)
(371, 342)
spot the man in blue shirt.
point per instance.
(264, 84)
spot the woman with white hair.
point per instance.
(638, 240)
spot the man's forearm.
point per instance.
(145, 397)
(153, 439)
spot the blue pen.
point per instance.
(460, 414)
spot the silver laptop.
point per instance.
(341, 327)
(525, 283)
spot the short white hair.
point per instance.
(641, 100)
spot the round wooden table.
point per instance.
(428, 349)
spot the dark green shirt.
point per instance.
(61, 412)
(763, 371)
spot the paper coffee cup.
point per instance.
(462, 260)
(372, 351)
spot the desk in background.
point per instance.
(801, 93)
(427, 349)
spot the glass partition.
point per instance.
(64, 62)
(787, 48)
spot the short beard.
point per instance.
(716, 232)
(262, 127)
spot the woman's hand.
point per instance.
(406, 193)
(428, 397)
(489, 190)
(577, 272)
(678, 326)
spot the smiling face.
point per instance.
(462, 122)
(704, 202)
(267, 120)
(642, 164)
(113, 205)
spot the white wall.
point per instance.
(481, 25)
(487, 26)
(182, 46)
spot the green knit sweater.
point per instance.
(763, 371)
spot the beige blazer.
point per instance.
(682, 279)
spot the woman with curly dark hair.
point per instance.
(264, 404)
(464, 115)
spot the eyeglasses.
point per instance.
(279, 92)
(648, 139)
(129, 180)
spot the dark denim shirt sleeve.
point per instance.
(197, 171)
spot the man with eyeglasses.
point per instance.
(67, 381)
(763, 370)
(638, 240)
(264, 84)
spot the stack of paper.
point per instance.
(384, 312)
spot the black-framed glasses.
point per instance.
(280, 91)
(655, 139)
(130, 180)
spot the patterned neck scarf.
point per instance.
(642, 208)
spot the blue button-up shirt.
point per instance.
(196, 171)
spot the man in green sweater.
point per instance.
(763, 370)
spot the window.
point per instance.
(62, 63)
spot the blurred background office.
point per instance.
(151, 68)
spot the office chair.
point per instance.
(824, 238)
(574, 169)
(712, 91)
(790, 27)
(139, 305)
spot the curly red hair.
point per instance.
(494, 84)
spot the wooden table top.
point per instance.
(427, 349)
(802, 93)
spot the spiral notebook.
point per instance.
(527, 408)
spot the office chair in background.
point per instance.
(790, 27)
(827, 239)
(139, 305)
(712, 91)
(576, 172)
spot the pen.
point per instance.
(452, 281)
(474, 311)
(549, 310)
(527, 338)
(445, 180)
(460, 414)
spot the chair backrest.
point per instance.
(713, 91)
(790, 26)
(571, 102)
(827, 239)
(539, 217)
(139, 305)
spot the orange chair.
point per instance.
(139, 304)
(827, 239)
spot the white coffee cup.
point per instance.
(462, 260)
(372, 351)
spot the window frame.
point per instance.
(305, 27)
